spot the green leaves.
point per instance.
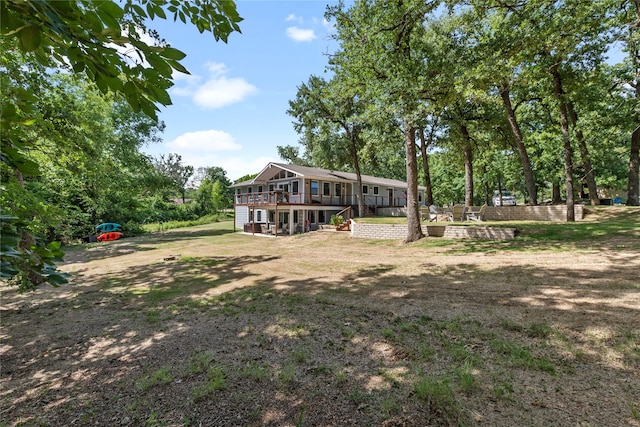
(85, 34)
(32, 266)
(172, 53)
(30, 38)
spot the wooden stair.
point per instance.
(345, 226)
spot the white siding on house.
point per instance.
(261, 213)
(242, 216)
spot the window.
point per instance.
(420, 196)
(314, 188)
(295, 217)
(326, 190)
(259, 188)
(249, 190)
(321, 218)
(337, 192)
(250, 216)
(365, 189)
(294, 187)
(259, 216)
(375, 190)
(271, 187)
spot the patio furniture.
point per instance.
(284, 229)
(479, 215)
(433, 212)
(424, 213)
(428, 213)
(457, 213)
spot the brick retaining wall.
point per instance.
(400, 231)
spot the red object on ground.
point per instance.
(113, 235)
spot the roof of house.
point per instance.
(321, 174)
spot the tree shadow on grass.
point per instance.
(130, 245)
(185, 233)
(349, 349)
(618, 232)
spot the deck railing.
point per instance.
(279, 197)
(265, 198)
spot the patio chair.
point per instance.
(429, 213)
(424, 213)
(433, 212)
(479, 215)
(457, 213)
(284, 229)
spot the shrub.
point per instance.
(336, 220)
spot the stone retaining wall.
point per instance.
(399, 231)
(479, 232)
(509, 213)
(381, 231)
(531, 213)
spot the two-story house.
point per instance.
(288, 199)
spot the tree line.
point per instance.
(80, 92)
(485, 93)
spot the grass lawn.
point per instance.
(203, 326)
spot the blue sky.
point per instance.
(231, 111)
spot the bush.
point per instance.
(336, 220)
(131, 229)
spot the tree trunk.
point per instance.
(487, 194)
(633, 185)
(468, 167)
(586, 159)
(530, 182)
(633, 188)
(556, 198)
(414, 232)
(566, 141)
(425, 166)
(356, 166)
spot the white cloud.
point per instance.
(216, 68)
(291, 17)
(300, 34)
(217, 91)
(203, 142)
(240, 166)
(221, 91)
(207, 148)
(185, 84)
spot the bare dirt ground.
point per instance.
(323, 330)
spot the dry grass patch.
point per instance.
(320, 329)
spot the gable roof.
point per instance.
(321, 174)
